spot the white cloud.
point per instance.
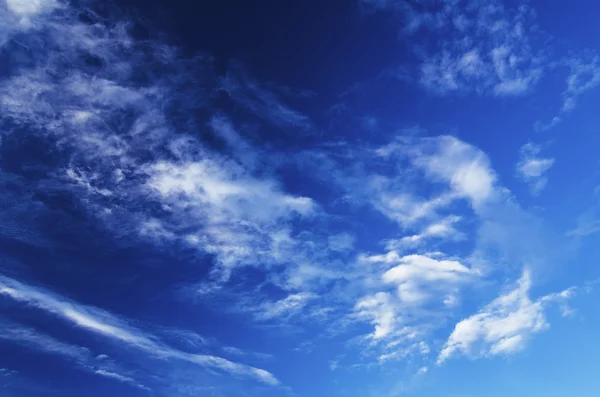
(380, 309)
(241, 219)
(7, 372)
(443, 229)
(463, 166)
(132, 162)
(584, 75)
(235, 351)
(424, 268)
(482, 48)
(145, 174)
(532, 168)
(403, 321)
(341, 242)
(120, 378)
(41, 342)
(27, 10)
(225, 190)
(503, 327)
(29, 7)
(416, 349)
(420, 278)
(108, 325)
(287, 306)
(403, 207)
(80, 356)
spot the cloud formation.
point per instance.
(152, 158)
(481, 47)
(114, 328)
(583, 75)
(80, 356)
(502, 327)
(531, 168)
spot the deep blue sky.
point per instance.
(310, 198)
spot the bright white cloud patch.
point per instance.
(413, 290)
(465, 168)
(503, 327)
(532, 168)
(380, 309)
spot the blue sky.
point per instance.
(317, 198)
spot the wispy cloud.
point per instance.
(409, 291)
(504, 326)
(288, 306)
(261, 102)
(532, 168)
(7, 372)
(39, 341)
(120, 378)
(583, 75)
(139, 157)
(442, 229)
(114, 328)
(482, 48)
(422, 285)
(80, 356)
(130, 137)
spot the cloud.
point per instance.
(341, 242)
(41, 342)
(120, 378)
(110, 326)
(381, 310)
(134, 148)
(588, 223)
(24, 12)
(531, 168)
(415, 350)
(288, 306)
(583, 75)
(404, 320)
(415, 273)
(585, 229)
(408, 292)
(422, 285)
(7, 372)
(235, 351)
(444, 160)
(80, 356)
(463, 166)
(261, 102)
(443, 229)
(502, 327)
(234, 215)
(124, 115)
(480, 48)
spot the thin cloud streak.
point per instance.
(108, 325)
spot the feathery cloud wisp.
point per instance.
(110, 326)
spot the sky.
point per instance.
(352, 198)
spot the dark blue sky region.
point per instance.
(301, 198)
